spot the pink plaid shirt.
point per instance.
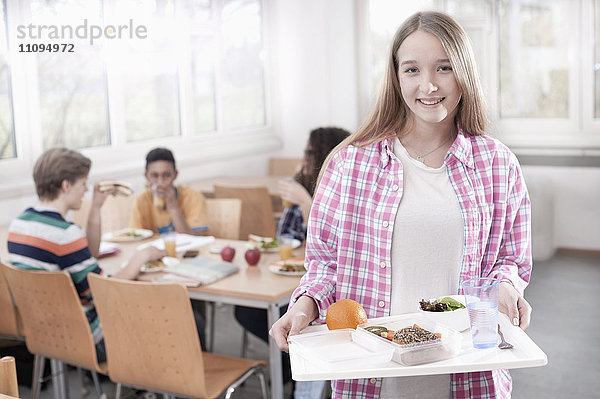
(349, 242)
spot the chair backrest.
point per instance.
(224, 217)
(257, 209)
(284, 166)
(8, 377)
(54, 323)
(115, 213)
(10, 322)
(150, 335)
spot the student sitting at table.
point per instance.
(41, 238)
(163, 207)
(298, 192)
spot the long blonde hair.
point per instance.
(389, 116)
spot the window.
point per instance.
(7, 141)
(533, 57)
(141, 70)
(71, 86)
(534, 45)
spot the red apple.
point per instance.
(252, 256)
(227, 254)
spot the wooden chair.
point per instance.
(8, 377)
(115, 213)
(54, 323)
(257, 209)
(224, 217)
(152, 342)
(11, 326)
(284, 166)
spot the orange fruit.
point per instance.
(345, 314)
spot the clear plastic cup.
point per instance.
(287, 204)
(158, 202)
(481, 297)
(170, 240)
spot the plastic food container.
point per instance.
(456, 319)
(342, 348)
(419, 353)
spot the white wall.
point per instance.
(316, 64)
(566, 206)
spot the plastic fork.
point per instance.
(503, 344)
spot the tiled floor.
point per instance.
(565, 296)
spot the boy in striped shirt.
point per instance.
(41, 239)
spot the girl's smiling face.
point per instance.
(427, 81)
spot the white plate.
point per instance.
(275, 268)
(456, 319)
(148, 268)
(166, 262)
(215, 250)
(295, 244)
(127, 234)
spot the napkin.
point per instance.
(107, 249)
(184, 242)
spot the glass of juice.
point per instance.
(170, 240)
(285, 247)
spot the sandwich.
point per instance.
(121, 187)
(262, 242)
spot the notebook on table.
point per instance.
(204, 270)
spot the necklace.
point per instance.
(421, 158)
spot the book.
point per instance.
(204, 270)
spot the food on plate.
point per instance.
(122, 188)
(154, 265)
(127, 234)
(346, 313)
(227, 254)
(192, 253)
(252, 256)
(263, 242)
(408, 335)
(381, 331)
(441, 304)
(293, 265)
(413, 335)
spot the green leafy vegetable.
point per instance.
(453, 304)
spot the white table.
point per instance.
(524, 354)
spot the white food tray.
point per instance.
(344, 348)
(306, 367)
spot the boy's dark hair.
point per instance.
(320, 143)
(160, 154)
(56, 165)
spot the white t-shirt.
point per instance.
(427, 247)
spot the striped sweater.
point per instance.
(40, 239)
